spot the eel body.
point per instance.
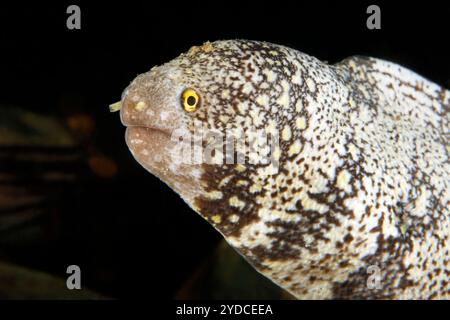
(347, 194)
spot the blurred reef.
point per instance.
(51, 172)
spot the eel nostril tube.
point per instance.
(115, 106)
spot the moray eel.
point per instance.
(351, 196)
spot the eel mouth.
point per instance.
(149, 146)
(149, 130)
(158, 153)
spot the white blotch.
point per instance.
(236, 202)
(137, 141)
(141, 105)
(300, 123)
(247, 88)
(286, 133)
(295, 148)
(262, 100)
(299, 105)
(343, 181)
(311, 85)
(271, 76)
(283, 100)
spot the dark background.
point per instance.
(131, 235)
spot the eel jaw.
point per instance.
(159, 154)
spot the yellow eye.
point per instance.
(190, 100)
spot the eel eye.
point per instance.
(190, 100)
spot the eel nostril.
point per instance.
(114, 107)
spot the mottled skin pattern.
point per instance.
(363, 174)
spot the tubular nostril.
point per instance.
(115, 106)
